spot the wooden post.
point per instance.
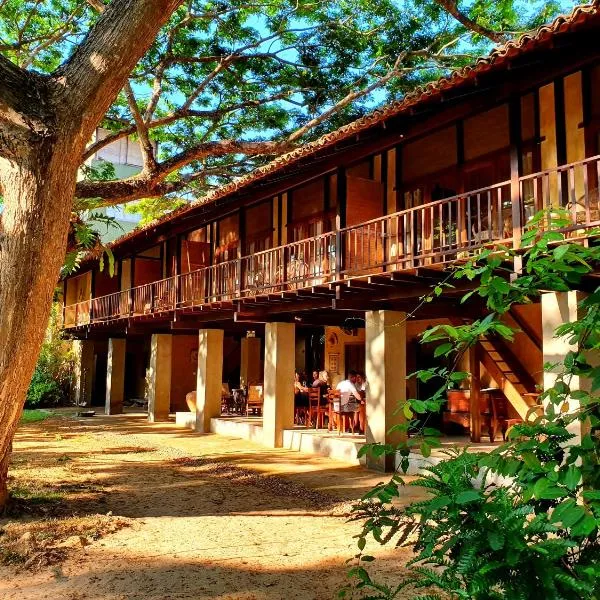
(474, 403)
(340, 220)
(338, 254)
(514, 120)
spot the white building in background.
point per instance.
(126, 157)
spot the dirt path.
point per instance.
(203, 516)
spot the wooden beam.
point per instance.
(313, 292)
(439, 309)
(280, 308)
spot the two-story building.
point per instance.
(323, 254)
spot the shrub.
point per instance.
(44, 390)
(51, 381)
(522, 522)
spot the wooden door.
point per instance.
(354, 358)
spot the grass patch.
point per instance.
(34, 415)
(35, 495)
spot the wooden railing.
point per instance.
(434, 233)
(573, 186)
(216, 283)
(77, 314)
(437, 232)
(112, 306)
(293, 266)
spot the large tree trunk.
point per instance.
(45, 123)
(38, 194)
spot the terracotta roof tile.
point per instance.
(496, 57)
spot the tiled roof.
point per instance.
(497, 57)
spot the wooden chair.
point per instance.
(226, 398)
(255, 399)
(301, 411)
(316, 410)
(332, 397)
(493, 408)
(336, 414)
(500, 419)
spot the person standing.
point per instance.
(349, 395)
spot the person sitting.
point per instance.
(321, 381)
(362, 385)
(300, 399)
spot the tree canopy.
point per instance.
(226, 85)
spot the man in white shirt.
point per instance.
(349, 393)
(349, 385)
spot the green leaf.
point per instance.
(439, 502)
(560, 252)
(572, 477)
(467, 496)
(496, 540)
(531, 460)
(584, 527)
(443, 349)
(545, 490)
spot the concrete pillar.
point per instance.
(209, 377)
(84, 371)
(159, 377)
(278, 412)
(115, 377)
(559, 308)
(250, 361)
(385, 353)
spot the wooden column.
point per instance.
(84, 371)
(514, 122)
(475, 401)
(250, 361)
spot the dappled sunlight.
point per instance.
(267, 572)
(210, 516)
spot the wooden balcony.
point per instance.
(430, 235)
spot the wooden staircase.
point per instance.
(508, 374)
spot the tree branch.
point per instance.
(451, 7)
(180, 114)
(96, 72)
(147, 185)
(348, 99)
(142, 130)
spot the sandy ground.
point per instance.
(209, 516)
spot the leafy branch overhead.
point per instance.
(226, 86)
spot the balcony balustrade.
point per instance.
(430, 234)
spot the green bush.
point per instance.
(44, 390)
(523, 521)
(51, 381)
